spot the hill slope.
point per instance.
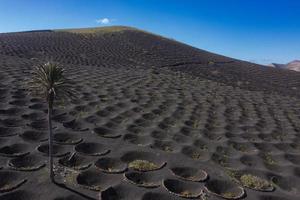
(129, 47)
(294, 65)
(149, 100)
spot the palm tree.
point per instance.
(48, 81)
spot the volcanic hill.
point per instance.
(155, 119)
(294, 65)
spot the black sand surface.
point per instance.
(155, 119)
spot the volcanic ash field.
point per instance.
(154, 119)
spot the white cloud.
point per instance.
(104, 20)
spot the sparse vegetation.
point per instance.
(221, 159)
(97, 107)
(254, 182)
(240, 147)
(269, 160)
(232, 174)
(228, 195)
(249, 180)
(196, 155)
(196, 124)
(142, 165)
(167, 148)
(81, 114)
(203, 147)
(95, 187)
(186, 193)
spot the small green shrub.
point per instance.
(269, 160)
(186, 193)
(254, 182)
(228, 195)
(142, 165)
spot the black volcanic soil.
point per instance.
(201, 120)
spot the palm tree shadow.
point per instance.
(64, 186)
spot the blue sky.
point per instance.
(261, 31)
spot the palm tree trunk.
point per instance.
(50, 141)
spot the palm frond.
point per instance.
(49, 79)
